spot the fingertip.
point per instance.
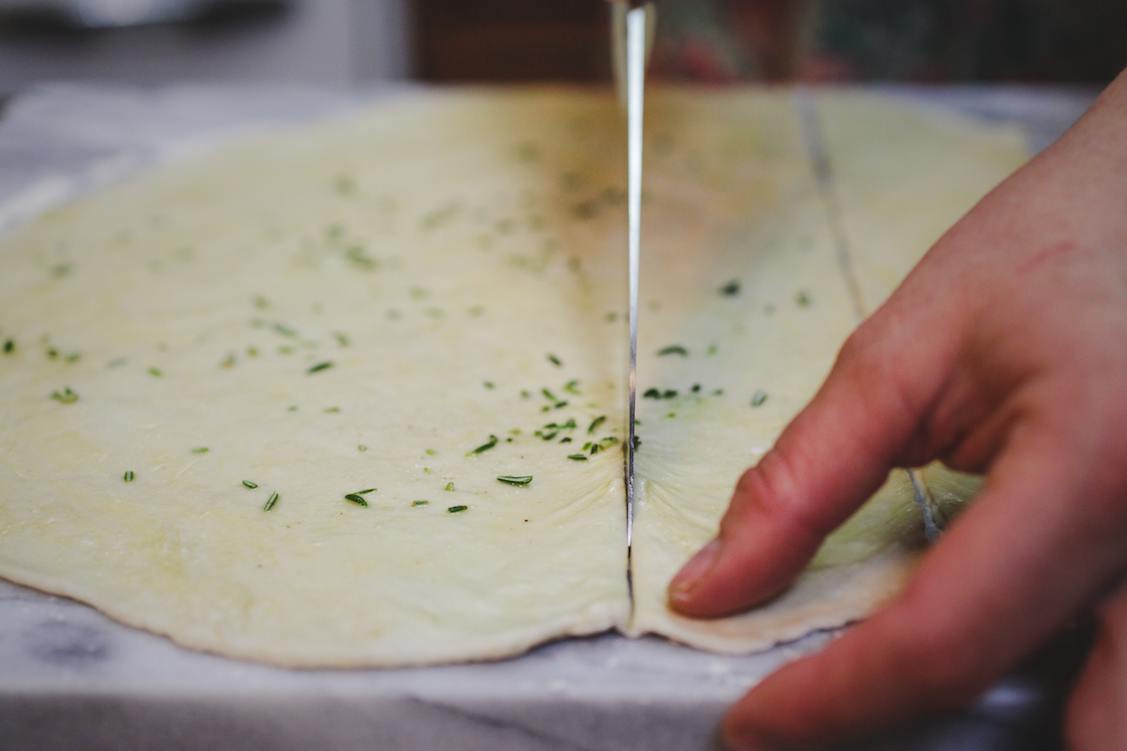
(684, 584)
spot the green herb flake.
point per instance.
(448, 487)
(651, 393)
(489, 385)
(250, 484)
(730, 289)
(457, 509)
(319, 367)
(485, 446)
(518, 480)
(284, 330)
(156, 372)
(9, 346)
(712, 350)
(572, 387)
(802, 299)
(673, 349)
(577, 457)
(66, 396)
(357, 499)
(596, 423)
(129, 476)
(549, 395)
(271, 502)
(344, 185)
(555, 360)
(416, 504)
(361, 448)
(200, 450)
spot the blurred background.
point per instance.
(715, 41)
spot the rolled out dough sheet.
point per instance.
(360, 305)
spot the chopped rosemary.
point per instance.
(66, 396)
(416, 504)
(731, 288)
(200, 450)
(365, 491)
(250, 484)
(673, 349)
(9, 346)
(695, 389)
(430, 452)
(319, 367)
(566, 439)
(596, 423)
(555, 360)
(156, 372)
(669, 394)
(485, 446)
(129, 476)
(357, 499)
(519, 480)
(361, 448)
(651, 393)
(448, 487)
(577, 457)
(802, 299)
(271, 502)
(457, 509)
(572, 387)
(758, 397)
(548, 395)
(488, 384)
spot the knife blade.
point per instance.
(636, 17)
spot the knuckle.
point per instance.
(770, 491)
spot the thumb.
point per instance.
(833, 455)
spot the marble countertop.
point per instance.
(72, 678)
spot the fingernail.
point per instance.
(693, 571)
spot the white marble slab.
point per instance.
(71, 678)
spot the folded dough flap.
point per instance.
(761, 304)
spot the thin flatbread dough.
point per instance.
(357, 306)
(754, 305)
(360, 306)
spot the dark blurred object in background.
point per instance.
(714, 41)
(512, 40)
(746, 40)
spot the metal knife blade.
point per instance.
(636, 23)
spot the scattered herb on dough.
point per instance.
(803, 299)
(66, 396)
(416, 504)
(357, 499)
(319, 367)
(485, 446)
(156, 372)
(555, 360)
(488, 384)
(250, 484)
(518, 480)
(577, 457)
(271, 502)
(572, 387)
(596, 423)
(731, 288)
(449, 487)
(758, 397)
(673, 349)
(129, 476)
(457, 509)
(9, 346)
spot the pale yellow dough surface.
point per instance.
(452, 256)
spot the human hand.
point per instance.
(1004, 352)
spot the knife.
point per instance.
(631, 30)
